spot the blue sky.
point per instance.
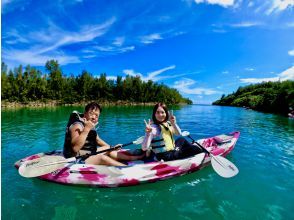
(203, 48)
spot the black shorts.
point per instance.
(183, 149)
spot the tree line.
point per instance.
(273, 97)
(30, 84)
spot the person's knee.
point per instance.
(104, 158)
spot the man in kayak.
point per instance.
(81, 138)
(159, 137)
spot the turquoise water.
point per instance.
(264, 155)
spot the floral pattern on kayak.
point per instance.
(137, 172)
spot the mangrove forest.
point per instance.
(272, 97)
(28, 84)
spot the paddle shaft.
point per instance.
(206, 151)
(72, 159)
(102, 151)
(199, 145)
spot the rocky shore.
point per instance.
(53, 103)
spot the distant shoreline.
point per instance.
(54, 103)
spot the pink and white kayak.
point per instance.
(137, 172)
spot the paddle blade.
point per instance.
(139, 140)
(41, 166)
(224, 167)
(185, 133)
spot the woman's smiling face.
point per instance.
(160, 114)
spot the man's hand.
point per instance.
(117, 147)
(88, 125)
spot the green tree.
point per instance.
(55, 81)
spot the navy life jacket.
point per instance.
(90, 144)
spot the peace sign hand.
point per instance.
(148, 128)
(172, 118)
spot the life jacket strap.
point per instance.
(160, 146)
(155, 141)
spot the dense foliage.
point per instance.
(30, 84)
(274, 97)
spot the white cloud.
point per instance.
(59, 38)
(13, 37)
(259, 80)
(89, 56)
(285, 75)
(221, 31)
(148, 39)
(46, 44)
(34, 58)
(223, 3)
(225, 72)
(113, 78)
(184, 86)
(114, 49)
(221, 28)
(245, 24)
(132, 73)
(10, 5)
(118, 41)
(280, 5)
(249, 69)
(154, 76)
(291, 52)
(250, 4)
(4, 2)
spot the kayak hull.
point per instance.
(137, 172)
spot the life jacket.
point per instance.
(90, 145)
(164, 142)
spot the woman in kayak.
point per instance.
(81, 138)
(159, 137)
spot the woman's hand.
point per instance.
(173, 119)
(148, 127)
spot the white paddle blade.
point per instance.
(41, 166)
(139, 140)
(185, 133)
(224, 167)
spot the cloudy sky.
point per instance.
(203, 48)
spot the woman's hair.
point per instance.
(93, 106)
(162, 105)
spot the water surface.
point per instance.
(264, 155)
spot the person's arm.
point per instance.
(176, 128)
(147, 141)
(79, 134)
(151, 132)
(101, 143)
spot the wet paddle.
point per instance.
(221, 165)
(47, 164)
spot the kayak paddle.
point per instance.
(221, 165)
(47, 164)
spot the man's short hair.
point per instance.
(93, 106)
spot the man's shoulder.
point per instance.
(76, 125)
